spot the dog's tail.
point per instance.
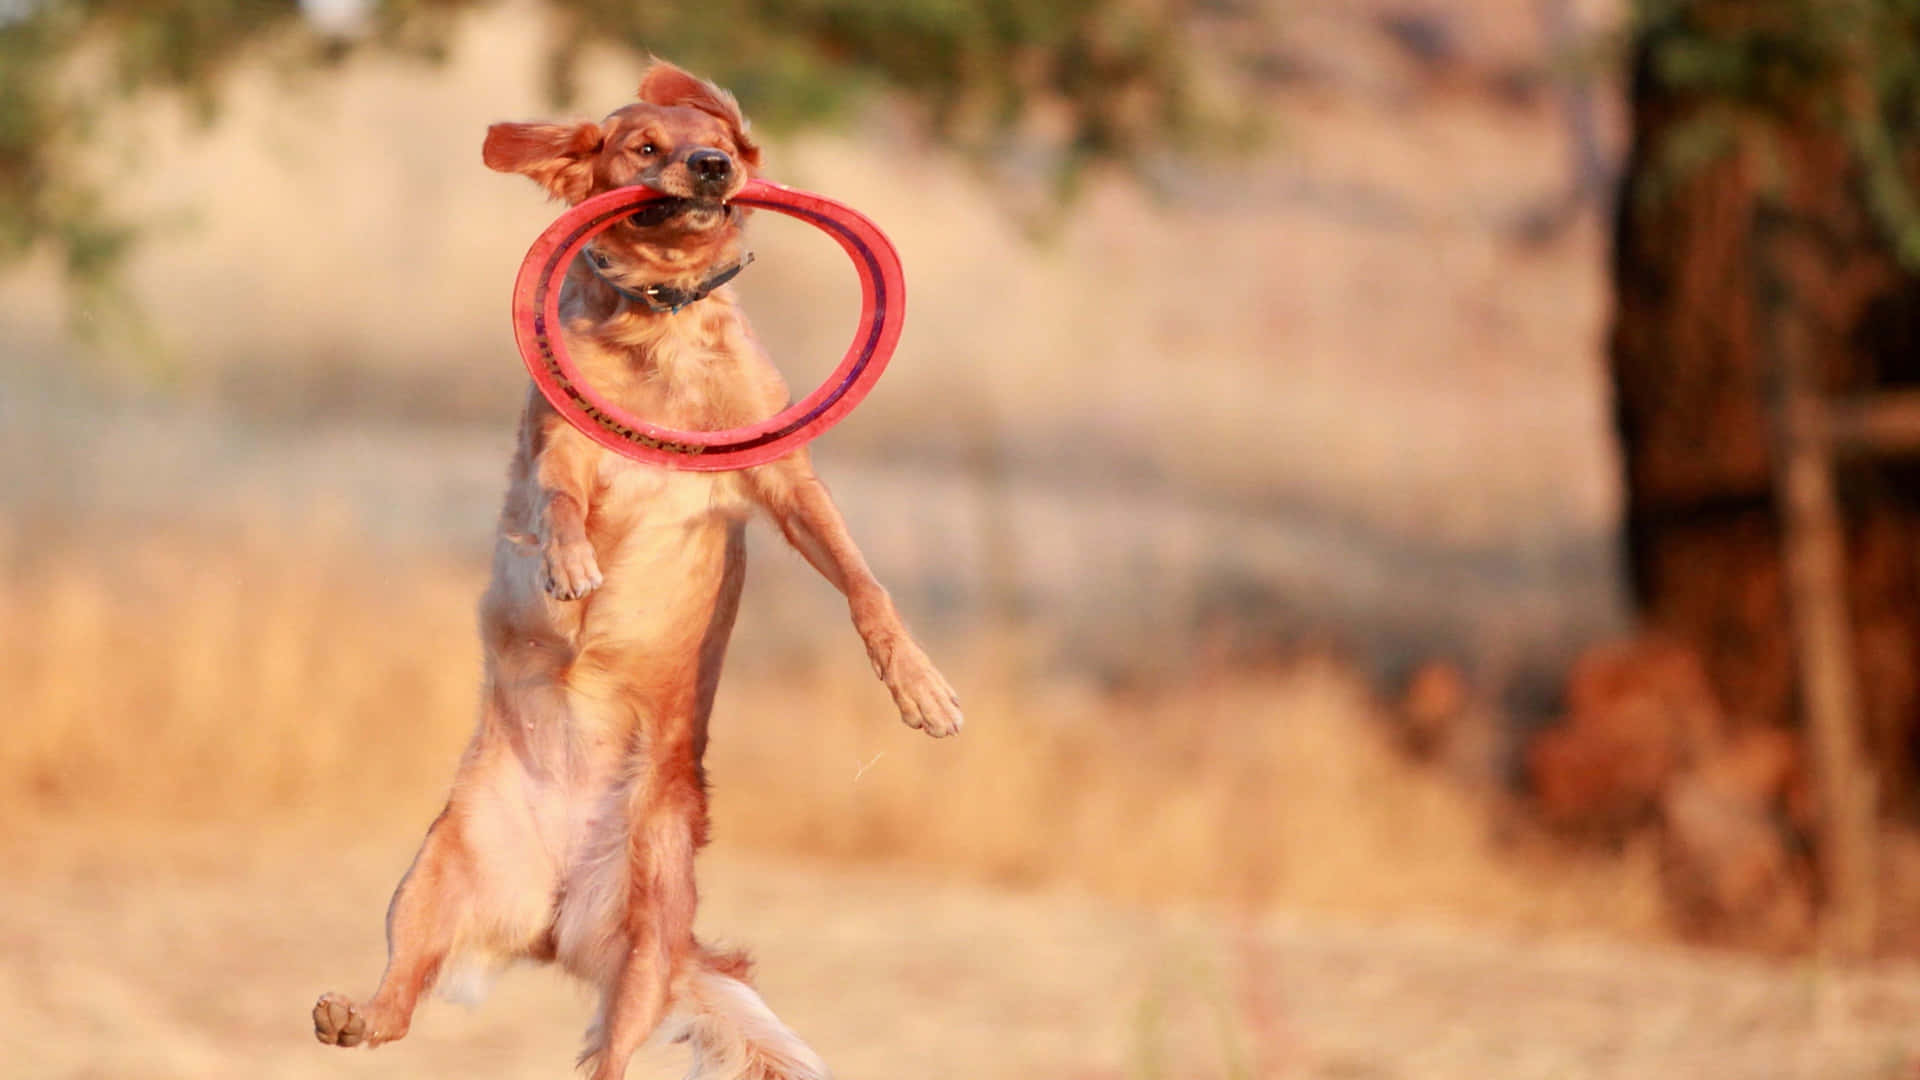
(733, 1034)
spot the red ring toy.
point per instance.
(536, 323)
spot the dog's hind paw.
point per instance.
(572, 571)
(337, 1023)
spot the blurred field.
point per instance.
(199, 954)
(229, 764)
(225, 681)
(236, 740)
(1168, 490)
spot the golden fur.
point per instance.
(570, 832)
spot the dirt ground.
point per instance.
(197, 954)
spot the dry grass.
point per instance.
(168, 911)
(181, 678)
(204, 677)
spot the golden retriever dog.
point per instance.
(570, 832)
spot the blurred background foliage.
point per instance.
(1048, 88)
(1763, 70)
(1043, 89)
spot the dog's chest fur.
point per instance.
(680, 377)
(637, 501)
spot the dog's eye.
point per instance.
(599, 260)
(649, 149)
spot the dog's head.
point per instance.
(685, 139)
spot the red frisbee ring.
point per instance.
(536, 329)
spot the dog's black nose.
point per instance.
(710, 166)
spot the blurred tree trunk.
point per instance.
(1690, 385)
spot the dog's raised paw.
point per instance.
(336, 1022)
(925, 698)
(572, 571)
(940, 714)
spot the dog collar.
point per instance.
(667, 299)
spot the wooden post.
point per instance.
(1814, 561)
(1886, 424)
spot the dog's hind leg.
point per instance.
(433, 900)
(669, 818)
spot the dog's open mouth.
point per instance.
(660, 211)
(673, 208)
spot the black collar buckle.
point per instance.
(665, 299)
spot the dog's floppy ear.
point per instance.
(559, 157)
(665, 84)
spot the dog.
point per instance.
(570, 832)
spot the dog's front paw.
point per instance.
(925, 698)
(572, 571)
